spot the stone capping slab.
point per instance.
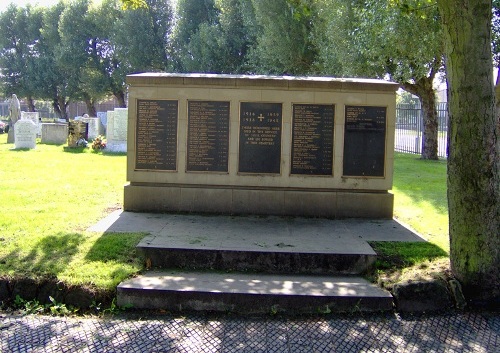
(210, 282)
(262, 81)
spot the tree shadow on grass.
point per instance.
(118, 247)
(399, 255)
(49, 256)
(75, 150)
(113, 154)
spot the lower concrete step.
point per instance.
(251, 293)
(276, 262)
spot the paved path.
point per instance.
(452, 332)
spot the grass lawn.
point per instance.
(49, 196)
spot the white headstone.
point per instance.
(34, 117)
(117, 130)
(103, 121)
(93, 130)
(103, 117)
(25, 134)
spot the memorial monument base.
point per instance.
(266, 201)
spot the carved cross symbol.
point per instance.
(260, 117)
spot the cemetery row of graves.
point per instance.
(78, 132)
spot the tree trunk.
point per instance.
(55, 105)
(120, 97)
(424, 90)
(474, 150)
(91, 110)
(31, 103)
(62, 106)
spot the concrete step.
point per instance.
(251, 293)
(279, 261)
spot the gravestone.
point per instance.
(117, 130)
(35, 118)
(103, 121)
(14, 115)
(93, 127)
(77, 133)
(56, 134)
(25, 134)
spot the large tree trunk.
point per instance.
(474, 150)
(91, 110)
(31, 103)
(424, 90)
(120, 97)
(60, 107)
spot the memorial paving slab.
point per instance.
(259, 233)
(254, 264)
(154, 332)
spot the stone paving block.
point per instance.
(464, 332)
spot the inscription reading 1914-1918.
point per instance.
(156, 137)
(260, 138)
(364, 141)
(312, 139)
(208, 136)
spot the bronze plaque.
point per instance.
(312, 139)
(156, 134)
(208, 136)
(260, 138)
(364, 141)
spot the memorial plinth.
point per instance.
(299, 146)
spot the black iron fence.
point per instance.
(409, 128)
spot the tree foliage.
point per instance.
(384, 39)
(76, 52)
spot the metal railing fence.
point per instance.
(409, 128)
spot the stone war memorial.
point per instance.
(229, 144)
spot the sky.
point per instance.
(21, 3)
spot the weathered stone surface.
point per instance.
(421, 296)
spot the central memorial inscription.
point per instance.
(260, 138)
(208, 136)
(364, 141)
(312, 139)
(156, 137)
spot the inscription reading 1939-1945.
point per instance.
(260, 138)
(156, 134)
(208, 136)
(312, 139)
(364, 141)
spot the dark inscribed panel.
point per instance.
(312, 139)
(364, 141)
(208, 136)
(260, 138)
(156, 134)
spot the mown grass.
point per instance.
(420, 201)
(49, 196)
(420, 197)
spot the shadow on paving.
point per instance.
(464, 332)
